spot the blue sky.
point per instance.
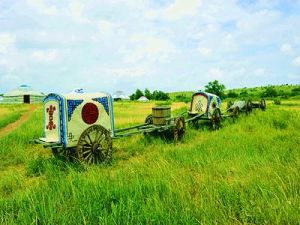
(109, 45)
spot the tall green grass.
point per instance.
(245, 173)
(10, 114)
(9, 119)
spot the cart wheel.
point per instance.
(179, 128)
(95, 145)
(149, 119)
(236, 112)
(262, 104)
(216, 119)
(66, 153)
(248, 107)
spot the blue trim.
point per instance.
(219, 101)
(111, 115)
(103, 101)
(64, 140)
(72, 105)
(62, 123)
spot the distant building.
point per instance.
(23, 94)
(143, 99)
(119, 95)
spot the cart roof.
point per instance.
(82, 96)
(73, 95)
(206, 94)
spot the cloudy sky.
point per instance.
(171, 45)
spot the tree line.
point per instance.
(155, 95)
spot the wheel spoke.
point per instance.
(86, 151)
(85, 141)
(87, 156)
(91, 142)
(101, 137)
(98, 134)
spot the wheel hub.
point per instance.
(95, 147)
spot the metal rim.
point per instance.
(95, 145)
(179, 129)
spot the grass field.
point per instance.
(11, 113)
(246, 173)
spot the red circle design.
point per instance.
(90, 113)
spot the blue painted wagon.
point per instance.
(81, 125)
(205, 106)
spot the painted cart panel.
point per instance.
(202, 103)
(67, 116)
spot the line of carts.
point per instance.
(81, 125)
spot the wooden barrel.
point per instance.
(160, 114)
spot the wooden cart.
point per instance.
(82, 126)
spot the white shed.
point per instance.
(23, 94)
(143, 99)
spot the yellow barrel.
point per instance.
(160, 114)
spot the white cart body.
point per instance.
(67, 116)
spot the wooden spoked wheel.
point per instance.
(248, 107)
(95, 145)
(236, 112)
(263, 105)
(179, 128)
(216, 119)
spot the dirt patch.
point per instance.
(12, 126)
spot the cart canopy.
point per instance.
(204, 103)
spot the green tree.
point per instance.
(160, 95)
(138, 93)
(270, 92)
(148, 94)
(232, 94)
(216, 88)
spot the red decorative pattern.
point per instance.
(51, 124)
(90, 113)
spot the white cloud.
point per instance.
(286, 48)
(181, 8)
(45, 56)
(149, 48)
(206, 52)
(105, 26)
(296, 61)
(42, 8)
(260, 72)
(76, 10)
(126, 72)
(215, 73)
(176, 10)
(6, 41)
